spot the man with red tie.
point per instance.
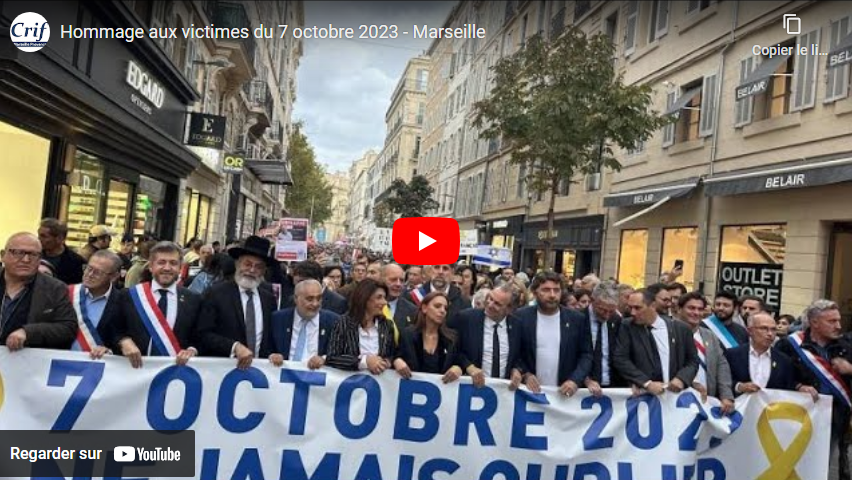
(95, 300)
(158, 318)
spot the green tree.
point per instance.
(413, 199)
(561, 107)
(310, 195)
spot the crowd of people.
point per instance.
(362, 312)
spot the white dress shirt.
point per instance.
(392, 306)
(488, 346)
(312, 332)
(368, 343)
(661, 337)
(759, 366)
(171, 311)
(548, 338)
(258, 317)
(596, 325)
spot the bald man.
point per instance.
(402, 310)
(301, 333)
(35, 311)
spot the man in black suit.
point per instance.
(604, 323)
(653, 352)
(237, 315)
(330, 300)
(756, 365)
(403, 312)
(662, 299)
(96, 300)
(159, 305)
(441, 275)
(301, 333)
(556, 345)
(478, 344)
(67, 263)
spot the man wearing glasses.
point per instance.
(93, 300)
(35, 310)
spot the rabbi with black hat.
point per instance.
(236, 317)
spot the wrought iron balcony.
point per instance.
(233, 15)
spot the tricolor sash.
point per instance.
(701, 349)
(822, 369)
(87, 333)
(418, 294)
(163, 340)
(718, 328)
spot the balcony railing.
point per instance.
(258, 96)
(557, 24)
(233, 15)
(510, 10)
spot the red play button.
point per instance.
(426, 240)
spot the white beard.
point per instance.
(246, 283)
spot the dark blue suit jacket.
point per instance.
(781, 377)
(575, 345)
(281, 331)
(470, 326)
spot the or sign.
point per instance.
(152, 92)
(288, 422)
(233, 164)
(759, 279)
(291, 241)
(493, 256)
(206, 130)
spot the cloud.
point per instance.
(344, 86)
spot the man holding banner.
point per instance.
(158, 318)
(822, 354)
(94, 300)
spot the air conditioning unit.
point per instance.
(593, 182)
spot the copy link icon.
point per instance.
(782, 463)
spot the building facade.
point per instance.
(334, 229)
(359, 202)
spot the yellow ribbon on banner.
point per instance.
(782, 463)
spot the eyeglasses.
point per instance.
(18, 254)
(94, 272)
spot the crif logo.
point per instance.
(29, 32)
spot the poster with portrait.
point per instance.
(291, 241)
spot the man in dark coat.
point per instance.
(401, 309)
(440, 281)
(66, 262)
(604, 324)
(301, 333)
(237, 314)
(330, 300)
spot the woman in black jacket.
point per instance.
(429, 346)
(363, 339)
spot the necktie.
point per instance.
(657, 374)
(251, 327)
(495, 358)
(163, 302)
(302, 341)
(597, 365)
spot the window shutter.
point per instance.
(837, 78)
(662, 26)
(669, 130)
(804, 73)
(708, 105)
(630, 35)
(744, 108)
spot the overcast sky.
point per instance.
(344, 86)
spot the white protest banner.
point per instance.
(291, 243)
(290, 423)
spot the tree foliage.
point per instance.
(309, 183)
(413, 199)
(562, 107)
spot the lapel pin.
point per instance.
(322, 332)
(288, 330)
(773, 365)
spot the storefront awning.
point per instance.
(842, 53)
(270, 171)
(758, 81)
(650, 195)
(780, 178)
(684, 99)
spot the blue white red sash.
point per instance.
(418, 294)
(87, 333)
(718, 328)
(701, 349)
(163, 340)
(820, 366)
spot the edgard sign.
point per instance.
(152, 92)
(233, 164)
(206, 131)
(763, 280)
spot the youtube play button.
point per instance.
(426, 240)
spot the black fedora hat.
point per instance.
(255, 246)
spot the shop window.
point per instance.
(248, 218)
(117, 210)
(569, 263)
(150, 207)
(88, 187)
(203, 218)
(632, 258)
(25, 160)
(681, 244)
(754, 244)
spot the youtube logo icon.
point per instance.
(426, 240)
